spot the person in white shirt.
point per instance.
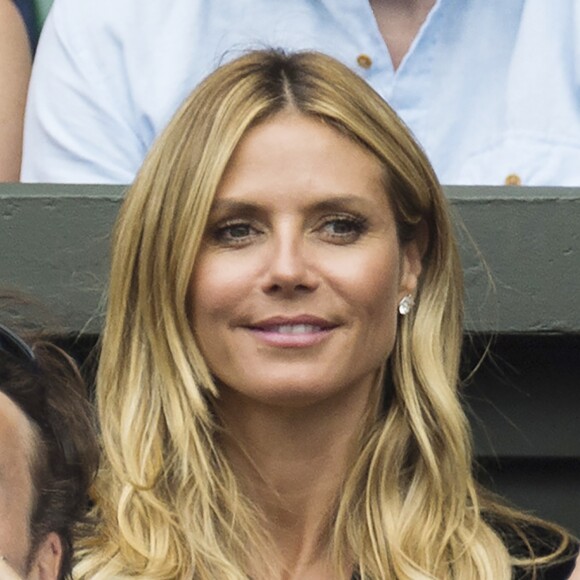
(489, 88)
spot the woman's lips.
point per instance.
(295, 332)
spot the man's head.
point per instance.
(18, 450)
(48, 456)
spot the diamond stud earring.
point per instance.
(406, 304)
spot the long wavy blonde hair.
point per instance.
(167, 503)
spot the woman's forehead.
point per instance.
(293, 154)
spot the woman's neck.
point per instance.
(399, 22)
(292, 464)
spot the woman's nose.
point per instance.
(290, 267)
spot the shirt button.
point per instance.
(364, 61)
(513, 179)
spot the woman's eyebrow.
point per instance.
(343, 201)
(227, 206)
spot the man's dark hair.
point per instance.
(49, 390)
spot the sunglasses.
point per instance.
(14, 346)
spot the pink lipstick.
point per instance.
(292, 332)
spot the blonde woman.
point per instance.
(279, 368)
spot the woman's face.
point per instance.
(296, 287)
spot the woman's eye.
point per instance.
(344, 229)
(236, 233)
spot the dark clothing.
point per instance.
(558, 571)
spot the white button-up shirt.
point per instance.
(491, 88)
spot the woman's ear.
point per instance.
(412, 253)
(47, 560)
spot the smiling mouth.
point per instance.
(291, 334)
(292, 329)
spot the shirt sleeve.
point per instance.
(80, 124)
